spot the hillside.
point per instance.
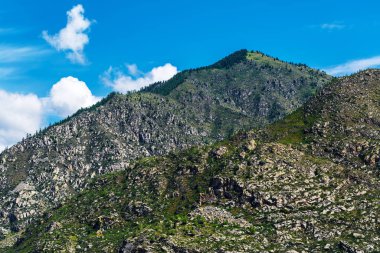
(307, 183)
(196, 107)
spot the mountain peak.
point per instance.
(194, 108)
(239, 61)
(232, 59)
(245, 55)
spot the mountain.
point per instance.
(201, 106)
(343, 121)
(306, 183)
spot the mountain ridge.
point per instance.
(283, 188)
(209, 105)
(233, 58)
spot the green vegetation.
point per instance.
(291, 129)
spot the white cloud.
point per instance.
(69, 95)
(124, 83)
(19, 115)
(9, 54)
(333, 26)
(353, 66)
(72, 38)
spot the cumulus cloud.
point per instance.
(19, 114)
(72, 38)
(124, 83)
(69, 95)
(353, 66)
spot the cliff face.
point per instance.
(244, 90)
(307, 183)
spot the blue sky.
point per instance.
(115, 45)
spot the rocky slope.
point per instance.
(244, 90)
(307, 183)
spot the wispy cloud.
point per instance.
(333, 26)
(353, 66)
(10, 53)
(133, 70)
(73, 38)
